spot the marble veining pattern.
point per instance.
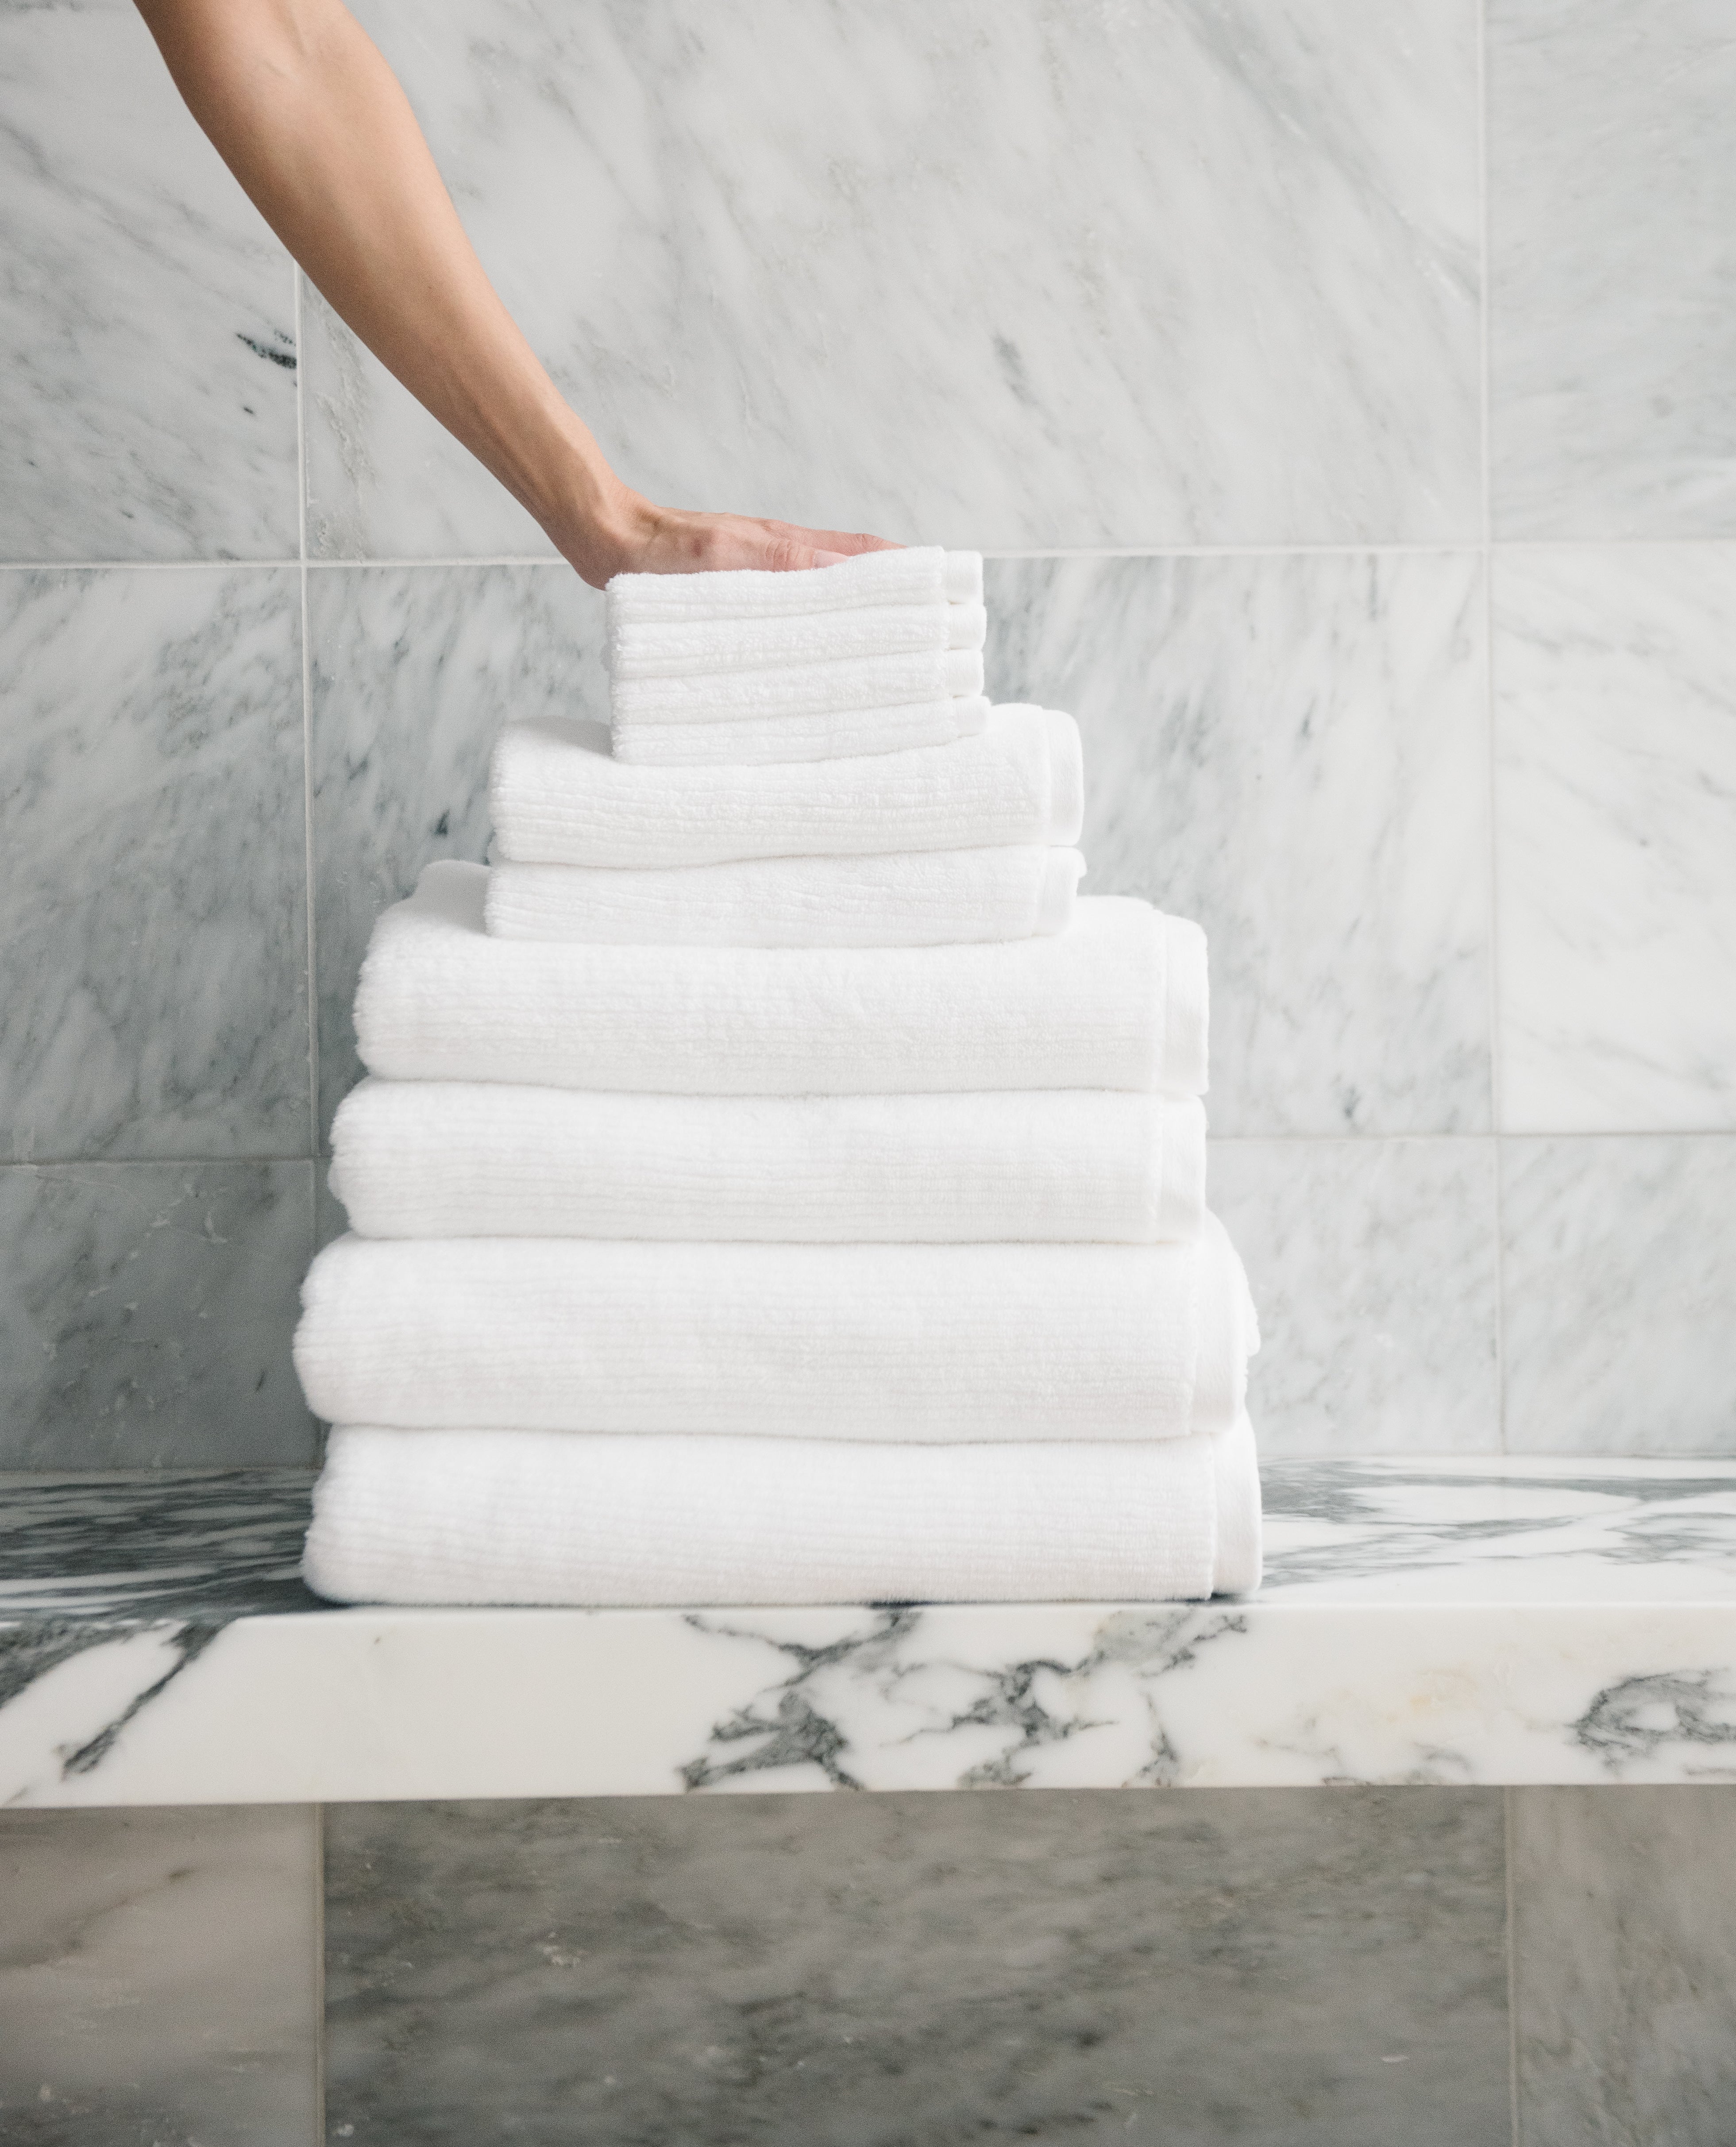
(1134, 276)
(147, 358)
(1464, 1621)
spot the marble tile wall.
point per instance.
(1341, 386)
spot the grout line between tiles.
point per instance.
(319, 1976)
(1513, 1978)
(301, 532)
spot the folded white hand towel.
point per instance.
(844, 734)
(1116, 1001)
(798, 689)
(701, 647)
(563, 1517)
(918, 575)
(479, 1159)
(921, 898)
(557, 796)
(916, 1343)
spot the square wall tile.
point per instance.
(1624, 1958)
(1018, 275)
(153, 936)
(1294, 751)
(146, 1310)
(159, 1977)
(1619, 1281)
(148, 359)
(1322, 1968)
(1615, 775)
(1372, 1265)
(1612, 286)
(414, 671)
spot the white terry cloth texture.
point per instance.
(531, 1517)
(699, 647)
(922, 574)
(479, 1159)
(915, 1343)
(1116, 1001)
(798, 689)
(839, 734)
(920, 898)
(557, 796)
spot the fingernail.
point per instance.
(829, 559)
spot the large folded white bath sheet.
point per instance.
(700, 648)
(557, 796)
(1116, 1001)
(798, 689)
(479, 1159)
(919, 899)
(917, 575)
(558, 1517)
(904, 1342)
(834, 734)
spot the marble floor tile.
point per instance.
(145, 1313)
(1016, 276)
(1374, 1268)
(1624, 1961)
(158, 1977)
(148, 359)
(1612, 283)
(153, 945)
(1313, 1968)
(1618, 1280)
(1294, 752)
(414, 670)
(1615, 785)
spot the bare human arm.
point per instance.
(306, 113)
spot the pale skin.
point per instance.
(306, 113)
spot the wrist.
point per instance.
(596, 523)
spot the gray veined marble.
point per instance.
(1294, 751)
(1012, 276)
(153, 944)
(147, 358)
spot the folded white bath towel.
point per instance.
(557, 796)
(701, 647)
(918, 575)
(539, 1517)
(479, 1159)
(903, 1342)
(1116, 1001)
(842, 734)
(798, 689)
(921, 898)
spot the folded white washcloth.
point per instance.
(700, 648)
(917, 575)
(479, 1159)
(1116, 1001)
(557, 796)
(921, 898)
(916, 1343)
(539, 1517)
(798, 689)
(844, 734)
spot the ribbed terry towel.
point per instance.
(836, 735)
(798, 689)
(919, 899)
(917, 575)
(915, 1343)
(701, 647)
(558, 1517)
(557, 796)
(479, 1159)
(1116, 1001)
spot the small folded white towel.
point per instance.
(917, 575)
(921, 898)
(1116, 1001)
(915, 1343)
(534, 1517)
(557, 796)
(701, 647)
(479, 1159)
(795, 690)
(841, 734)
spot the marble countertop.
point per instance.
(1459, 1621)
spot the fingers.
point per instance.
(840, 544)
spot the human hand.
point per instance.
(632, 537)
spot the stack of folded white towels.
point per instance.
(774, 1184)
